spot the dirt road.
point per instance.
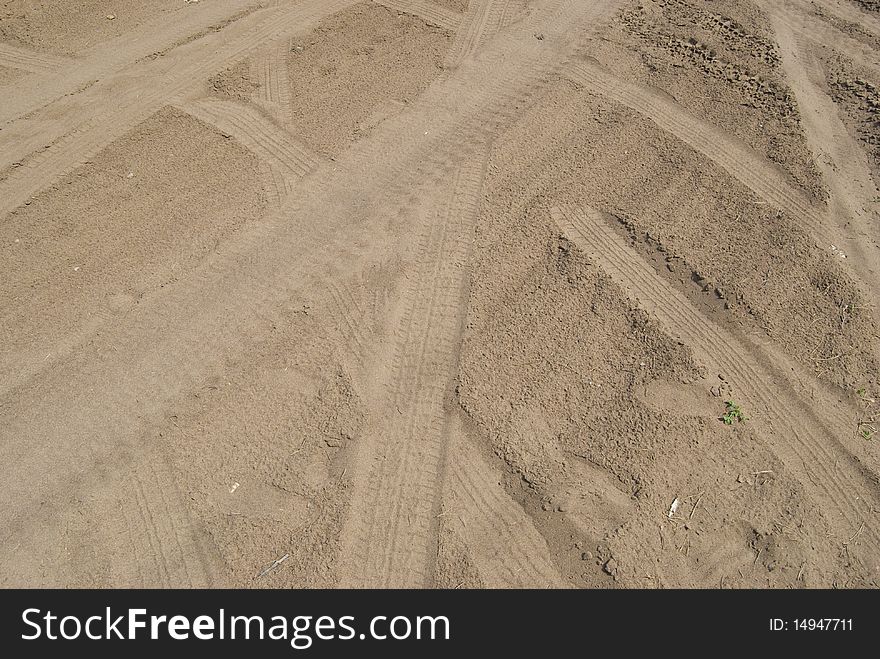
(440, 293)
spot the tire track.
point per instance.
(390, 531)
(482, 20)
(843, 163)
(258, 134)
(850, 13)
(86, 124)
(455, 127)
(270, 66)
(731, 154)
(818, 31)
(349, 321)
(429, 12)
(458, 118)
(506, 547)
(32, 61)
(116, 54)
(513, 12)
(845, 490)
(109, 396)
(154, 519)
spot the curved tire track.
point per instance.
(847, 492)
(390, 532)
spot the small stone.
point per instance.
(610, 567)
(587, 556)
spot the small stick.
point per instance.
(855, 535)
(274, 565)
(700, 498)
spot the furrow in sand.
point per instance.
(32, 61)
(836, 479)
(429, 12)
(99, 402)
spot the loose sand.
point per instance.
(440, 293)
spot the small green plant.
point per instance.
(867, 426)
(733, 413)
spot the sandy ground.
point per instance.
(440, 293)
